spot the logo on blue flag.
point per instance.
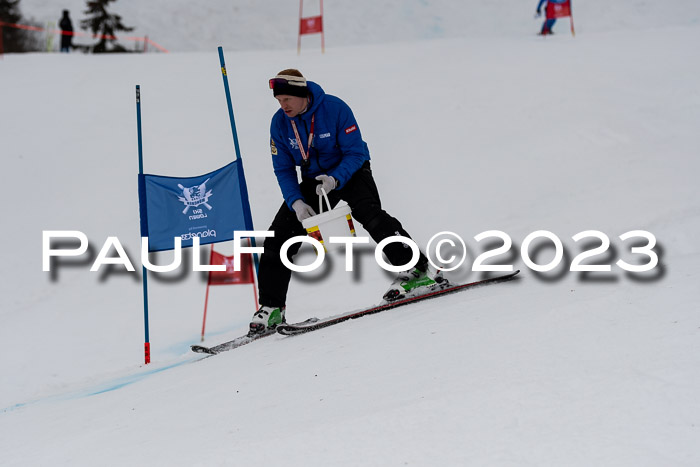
(195, 196)
(210, 206)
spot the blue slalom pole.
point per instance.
(228, 102)
(233, 130)
(147, 344)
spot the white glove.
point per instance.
(328, 183)
(302, 210)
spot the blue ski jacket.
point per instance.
(337, 147)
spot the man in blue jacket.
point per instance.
(318, 132)
(549, 21)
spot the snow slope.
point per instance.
(514, 132)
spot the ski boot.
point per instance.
(266, 320)
(415, 282)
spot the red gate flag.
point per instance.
(558, 10)
(229, 276)
(311, 25)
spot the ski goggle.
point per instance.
(287, 80)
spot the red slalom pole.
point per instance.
(571, 17)
(206, 296)
(323, 32)
(301, 7)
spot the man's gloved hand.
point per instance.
(538, 14)
(302, 210)
(328, 183)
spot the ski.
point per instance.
(240, 341)
(300, 328)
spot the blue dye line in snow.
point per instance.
(131, 379)
(104, 388)
(123, 381)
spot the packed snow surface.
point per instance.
(474, 124)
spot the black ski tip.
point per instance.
(287, 329)
(503, 278)
(202, 349)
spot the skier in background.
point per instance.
(66, 32)
(318, 132)
(549, 21)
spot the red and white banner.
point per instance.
(246, 275)
(310, 25)
(230, 276)
(26, 27)
(558, 10)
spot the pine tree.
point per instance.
(17, 40)
(9, 13)
(101, 22)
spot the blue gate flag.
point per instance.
(209, 206)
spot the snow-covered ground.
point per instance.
(492, 129)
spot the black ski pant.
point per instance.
(361, 194)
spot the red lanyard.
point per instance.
(304, 154)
